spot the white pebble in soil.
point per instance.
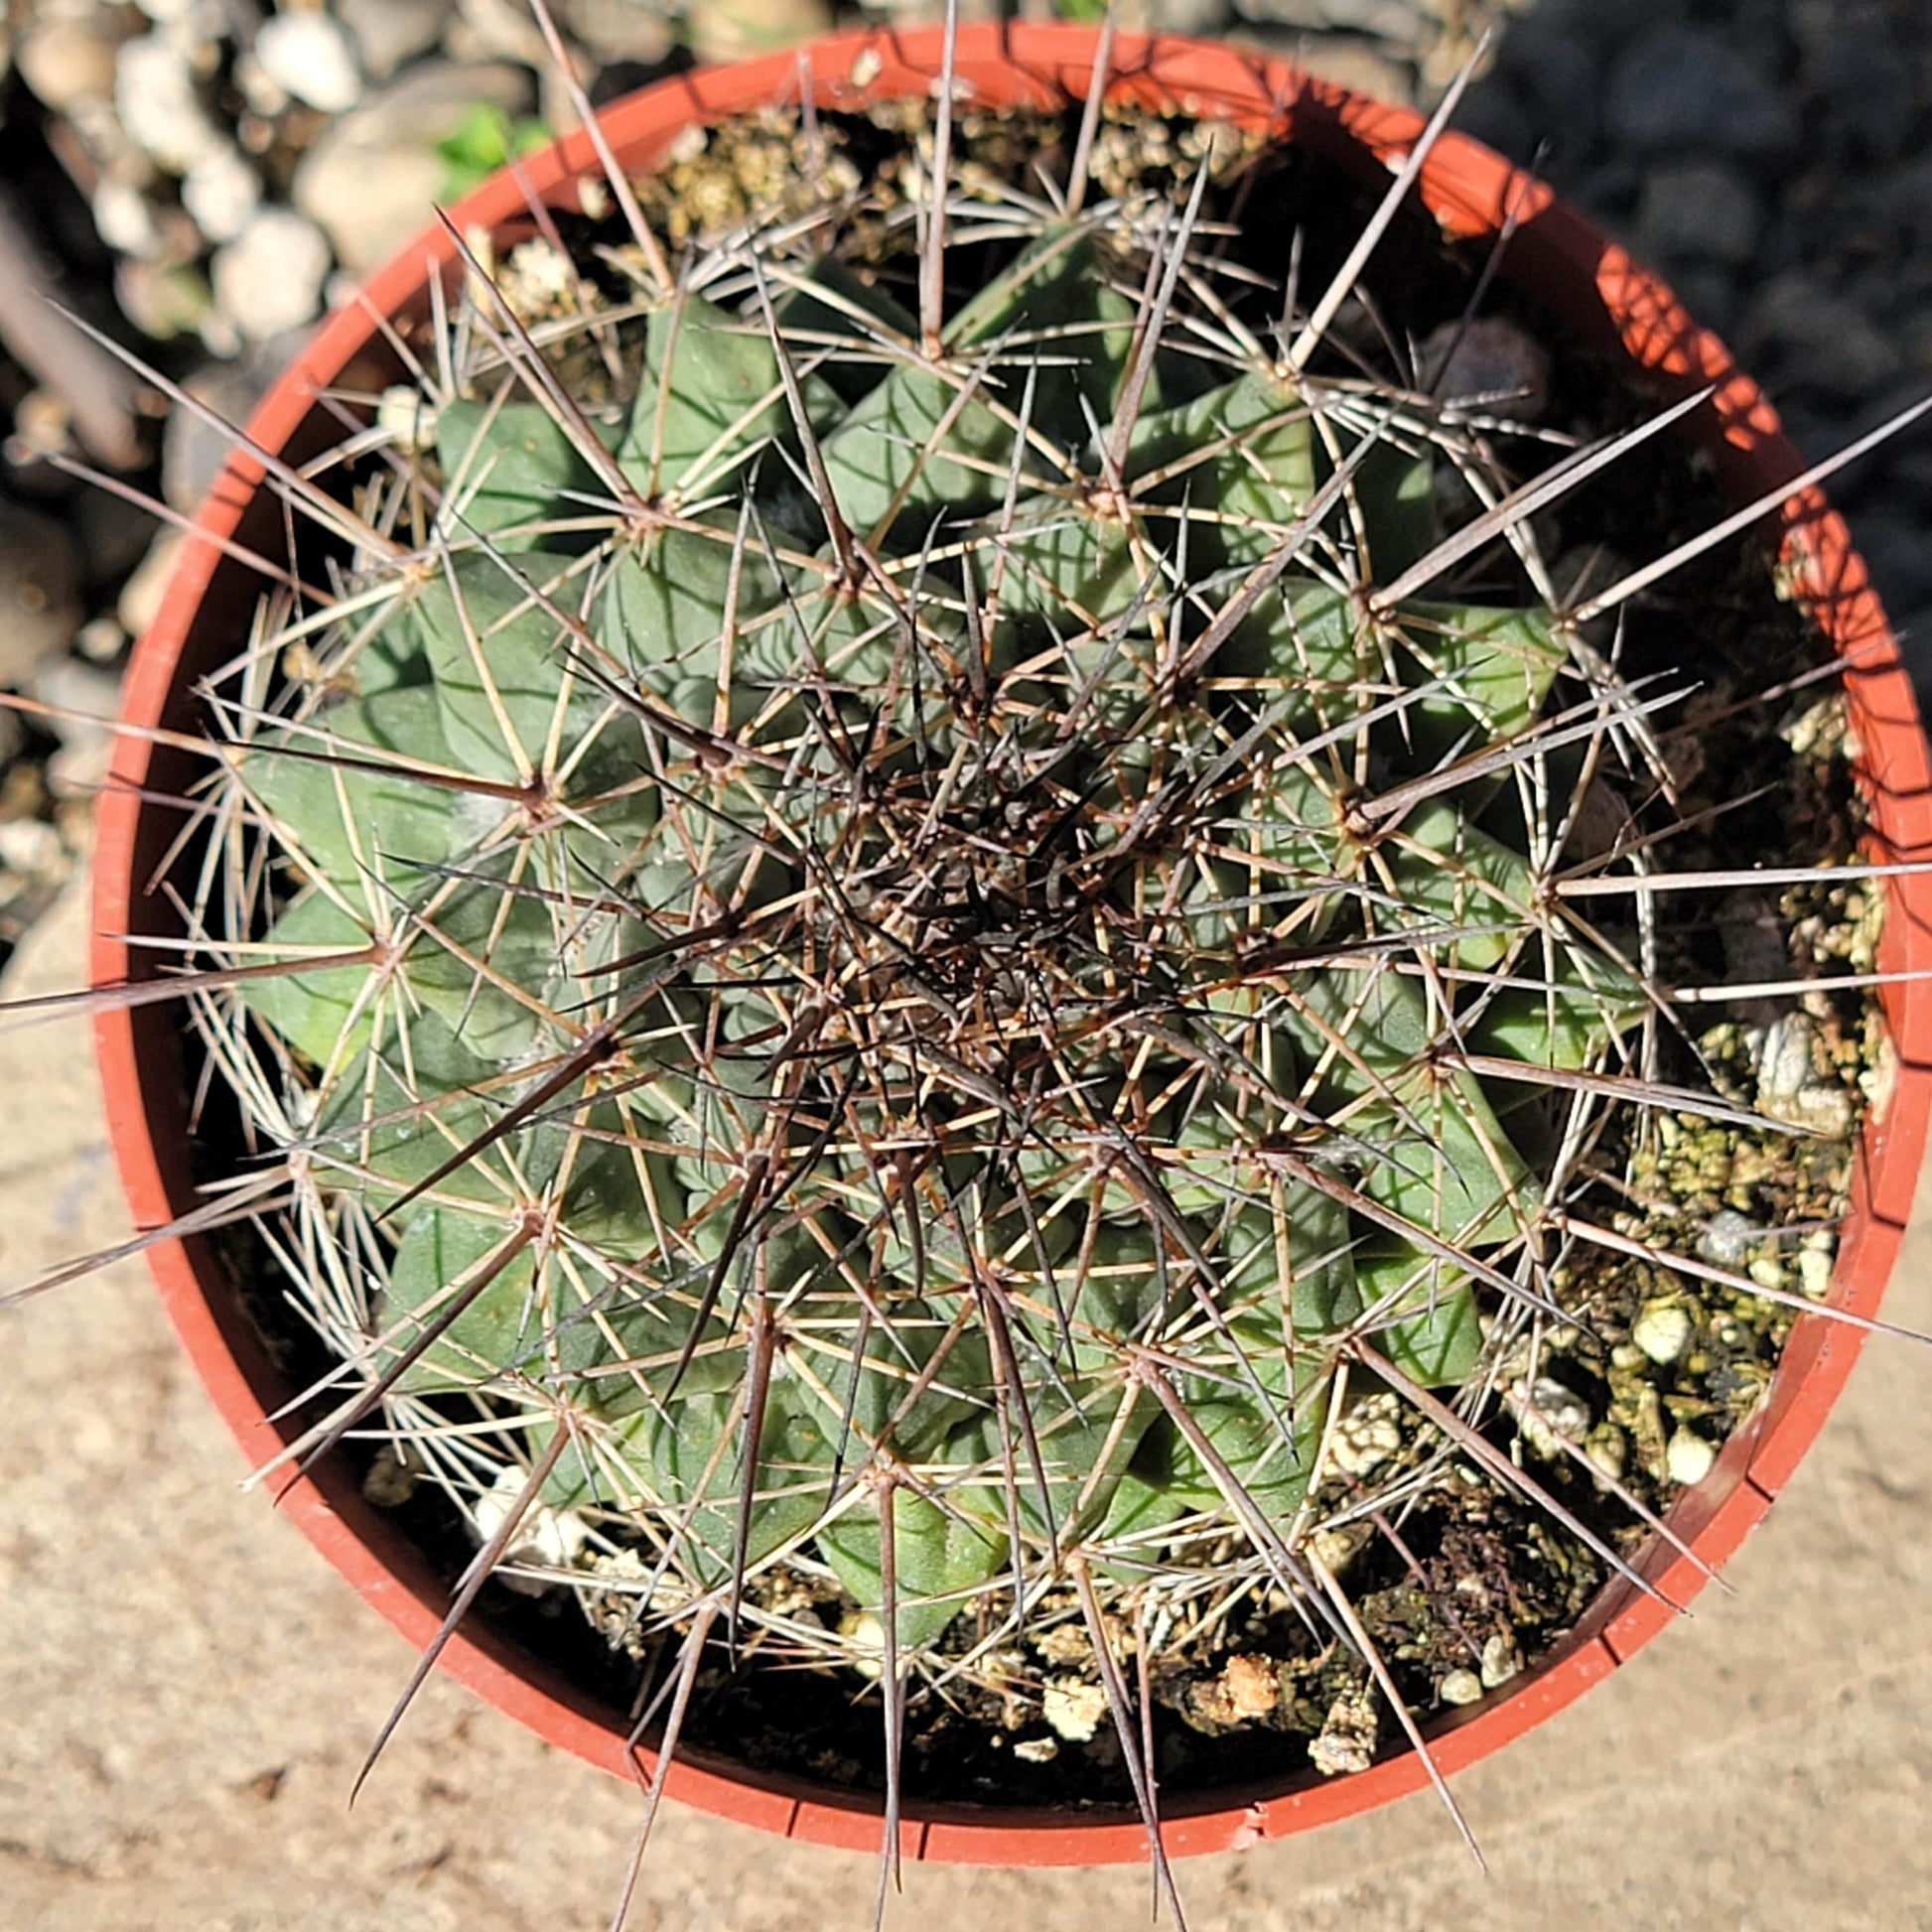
(1662, 1330)
(310, 58)
(1788, 1086)
(867, 1636)
(1368, 1436)
(1501, 1661)
(1460, 1687)
(270, 276)
(1547, 1410)
(407, 417)
(1727, 1238)
(1784, 1058)
(1814, 1272)
(1347, 1738)
(1073, 1706)
(1688, 1457)
(544, 1538)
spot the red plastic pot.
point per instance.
(1591, 289)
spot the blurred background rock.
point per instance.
(200, 178)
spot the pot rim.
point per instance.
(1590, 285)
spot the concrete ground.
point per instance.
(187, 1690)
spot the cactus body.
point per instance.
(911, 953)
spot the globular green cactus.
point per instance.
(898, 920)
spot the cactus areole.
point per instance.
(894, 940)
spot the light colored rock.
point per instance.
(30, 848)
(309, 56)
(735, 30)
(221, 192)
(1788, 1086)
(1728, 1237)
(407, 417)
(1460, 1687)
(1501, 1660)
(159, 103)
(1548, 1411)
(124, 219)
(1784, 1064)
(269, 277)
(166, 301)
(1335, 1549)
(1662, 1330)
(1688, 1457)
(617, 30)
(140, 596)
(86, 698)
(387, 33)
(1814, 1273)
(1252, 1686)
(1699, 210)
(1357, 65)
(499, 29)
(1074, 1707)
(543, 1538)
(865, 1633)
(100, 640)
(40, 606)
(67, 61)
(265, 95)
(1347, 1737)
(372, 180)
(1609, 1450)
(1368, 1436)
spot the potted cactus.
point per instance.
(933, 949)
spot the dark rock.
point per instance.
(1697, 210)
(1870, 86)
(1796, 331)
(1557, 79)
(1708, 293)
(1493, 115)
(1678, 88)
(1898, 553)
(1489, 362)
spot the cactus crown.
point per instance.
(905, 909)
